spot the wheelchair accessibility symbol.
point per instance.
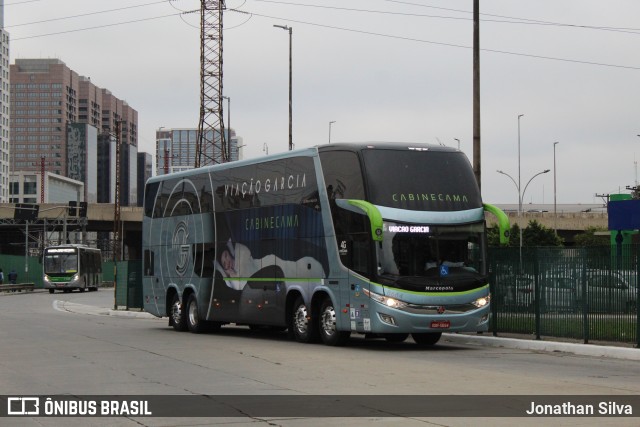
(444, 270)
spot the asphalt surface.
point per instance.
(591, 350)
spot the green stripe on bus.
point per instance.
(434, 294)
(277, 279)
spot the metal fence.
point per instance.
(125, 275)
(588, 294)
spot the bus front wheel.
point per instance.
(178, 317)
(426, 339)
(327, 325)
(51, 291)
(396, 337)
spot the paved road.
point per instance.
(64, 344)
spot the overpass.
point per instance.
(568, 224)
(54, 218)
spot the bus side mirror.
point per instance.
(372, 212)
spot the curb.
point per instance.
(590, 350)
(548, 346)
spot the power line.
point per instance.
(396, 37)
(521, 20)
(83, 14)
(371, 33)
(17, 3)
(503, 20)
(104, 26)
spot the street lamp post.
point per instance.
(520, 198)
(555, 202)
(228, 98)
(330, 123)
(285, 27)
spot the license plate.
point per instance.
(440, 324)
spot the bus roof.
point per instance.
(349, 146)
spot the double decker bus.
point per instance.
(72, 266)
(386, 240)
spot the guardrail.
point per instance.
(17, 287)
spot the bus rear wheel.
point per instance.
(193, 320)
(178, 317)
(327, 325)
(426, 339)
(301, 327)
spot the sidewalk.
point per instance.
(73, 307)
(590, 350)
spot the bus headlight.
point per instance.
(481, 302)
(75, 277)
(389, 302)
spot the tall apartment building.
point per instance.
(145, 171)
(5, 146)
(176, 149)
(47, 100)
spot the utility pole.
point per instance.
(290, 30)
(116, 205)
(476, 91)
(209, 149)
(42, 179)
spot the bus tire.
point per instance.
(426, 339)
(327, 325)
(194, 323)
(178, 315)
(301, 325)
(51, 291)
(396, 337)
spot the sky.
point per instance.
(381, 70)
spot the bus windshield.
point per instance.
(438, 181)
(58, 261)
(415, 253)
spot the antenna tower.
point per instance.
(210, 146)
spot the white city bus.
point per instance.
(69, 267)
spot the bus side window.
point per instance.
(148, 263)
(354, 240)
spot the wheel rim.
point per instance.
(300, 321)
(193, 313)
(176, 311)
(328, 321)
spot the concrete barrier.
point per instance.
(17, 287)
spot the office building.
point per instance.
(5, 146)
(145, 171)
(82, 158)
(51, 105)
(176, 149)
(29, 187)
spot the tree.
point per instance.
(589, 238)
(537, 234)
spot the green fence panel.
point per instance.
(128, 292)
(29, 269)
(578, 293)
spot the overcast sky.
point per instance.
(383, 70)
